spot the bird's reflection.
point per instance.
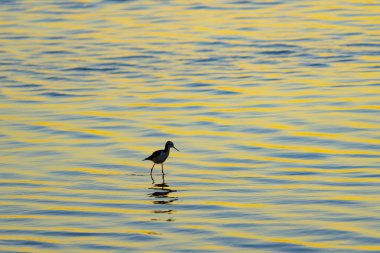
(163, 196)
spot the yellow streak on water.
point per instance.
(326, 163)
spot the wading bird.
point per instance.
(160, 156)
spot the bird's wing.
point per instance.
(154, 154)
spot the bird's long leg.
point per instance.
(151, 177)
(162, 168)
(152, 168)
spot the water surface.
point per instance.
(273, 104)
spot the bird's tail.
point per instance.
(148, 158)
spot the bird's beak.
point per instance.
(176, 149)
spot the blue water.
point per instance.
(274, 106)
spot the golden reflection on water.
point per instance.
(275, 105)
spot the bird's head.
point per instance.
(170, 144)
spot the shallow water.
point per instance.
(274, 106)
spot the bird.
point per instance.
(160, 156)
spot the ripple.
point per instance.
(24, 86)
(300, 155)
(73, 213)
(57, 94)
(29, 243)
(277, 126)
(131, 236)
(196, 85)
(278, 52)
(88, 69)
